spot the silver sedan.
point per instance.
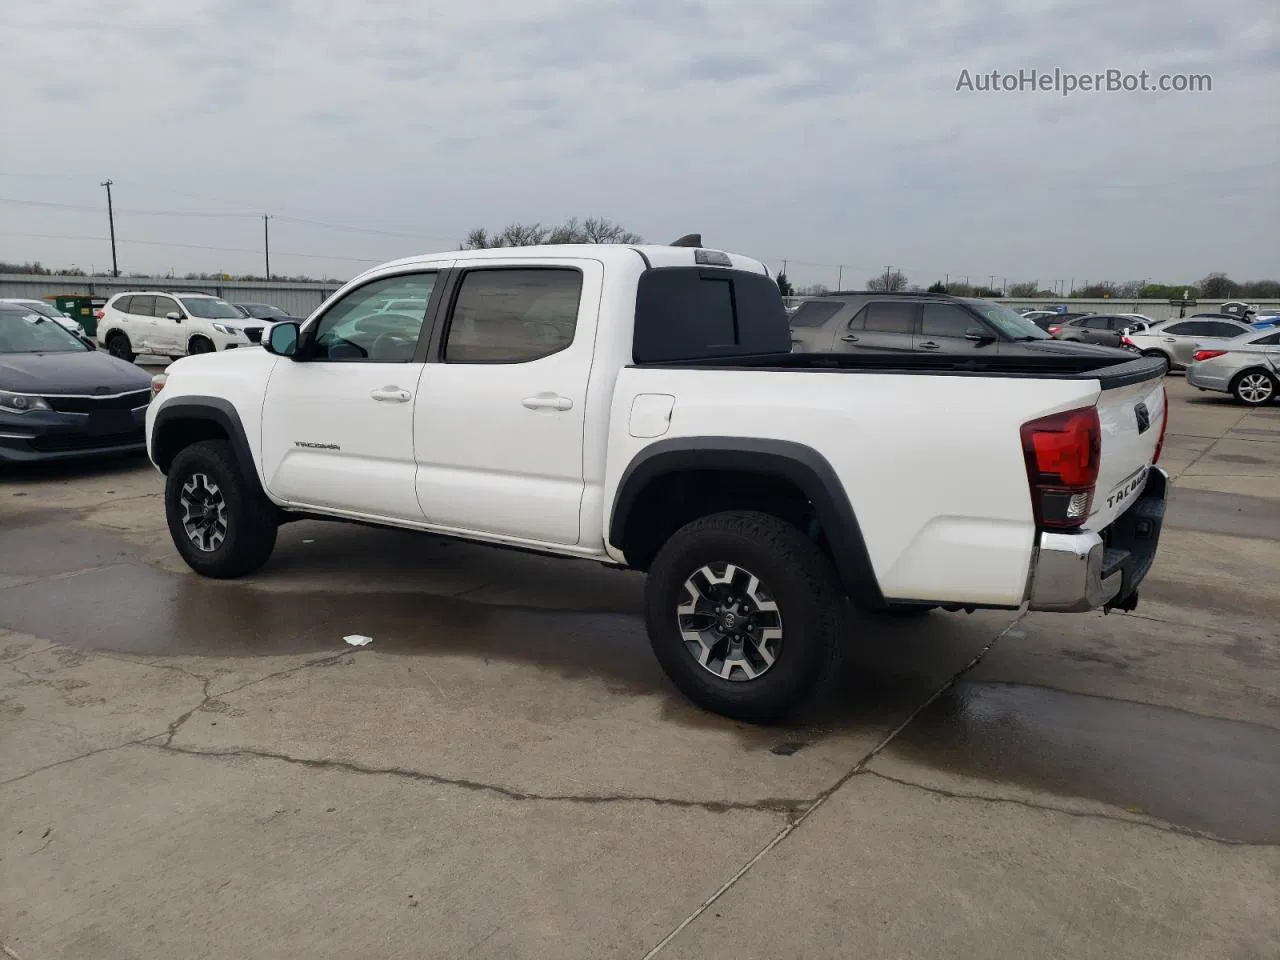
(1176, 340)
(1247, 367)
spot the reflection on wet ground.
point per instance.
(1217, 776)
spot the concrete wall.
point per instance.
(298, 299)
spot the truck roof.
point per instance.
(653, 255)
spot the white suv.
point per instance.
(173, 325)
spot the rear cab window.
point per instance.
(701, 313)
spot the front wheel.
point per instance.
(118, 346)
(744, 614)
(200, 345)
(1254, 388)
(222, 525)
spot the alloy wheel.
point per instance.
(1255, 388)
(204, 513)
(730, 623)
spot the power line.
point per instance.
(191, 246)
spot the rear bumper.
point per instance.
(1078, 572)
(1206, 381)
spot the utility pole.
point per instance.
(266, 242)
(111, 220)
(887, 269)
(993, 282)
(840, 278)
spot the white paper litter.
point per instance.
(356, 640)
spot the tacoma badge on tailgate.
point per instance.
(1127, 487)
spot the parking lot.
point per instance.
(192, 768)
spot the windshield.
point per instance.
(263, 311)
(44, 309)
(1010, 323)
(22, 331)
(210, 308)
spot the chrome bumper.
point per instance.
(1078, 572)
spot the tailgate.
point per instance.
(1132, 419)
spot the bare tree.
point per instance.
(1023, 290)
(893, 281)
(573, 230)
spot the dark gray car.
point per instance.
(1100, 328)
(918, 323)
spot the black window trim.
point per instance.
(434, 351)
(309, 327)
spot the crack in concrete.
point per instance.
(1131, 820)
(786, 807)
(82, 756)
(795, 823)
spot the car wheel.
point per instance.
(744, 614)
(200, 345)
(1161, 354)
(223, 525)
(118, 346)
(1254, 388)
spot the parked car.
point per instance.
(1246, 367)
(916, 323)
(1041, 318)
(46, 309)
(263, 311)
(1266, 321)
(63, 398)
(639, 406)
(173, 325)
(1176, 340)
(1101, 328)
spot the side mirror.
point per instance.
(978, 335)
(283, 339)
(174, 315)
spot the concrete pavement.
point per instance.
(197, 769)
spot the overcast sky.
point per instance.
(825, 133)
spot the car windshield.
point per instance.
(263, 311)
(22, 331)
(44, 309)
(210, 308)
(1009, 322)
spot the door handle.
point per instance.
(548, 401)
(928, 345)
(849, 338)
(391, 394)
(1170, 339)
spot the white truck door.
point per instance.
(499, 420)
(337, 426)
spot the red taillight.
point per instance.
(1164, 425)
(1206, 355)
(1127, 342)
(97, 314)
(1063, 453)
(1055, 329)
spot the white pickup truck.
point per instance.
(640, 406)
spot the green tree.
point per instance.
(784, 286)
(938, 287)
(1218, 286)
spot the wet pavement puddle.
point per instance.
(1217, 776)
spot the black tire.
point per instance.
(798, 577)
(249, 519)
(118, 346)
(1254, 388)
(200, 345)
(1161, 354)
(175, 356)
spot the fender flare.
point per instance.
(212, 409)
(797, 463)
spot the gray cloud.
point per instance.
(825, 131)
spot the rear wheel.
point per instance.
(744, 614)
(118, 346)
(1254, 388)
(1161, 354)
(223, 525)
